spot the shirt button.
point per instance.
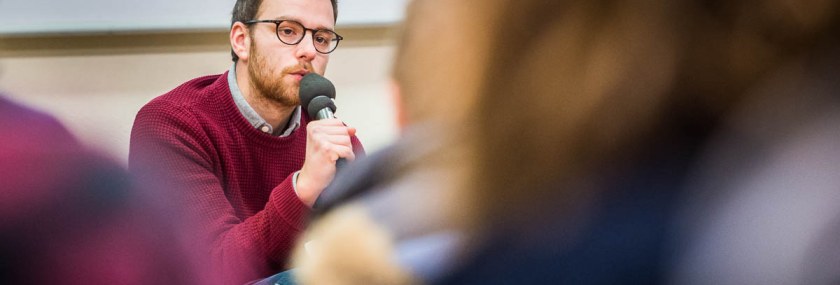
(264, 129)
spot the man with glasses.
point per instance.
(239, 153)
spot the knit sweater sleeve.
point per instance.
(169, 147)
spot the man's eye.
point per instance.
(287, 31)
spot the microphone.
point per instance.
(316, 96)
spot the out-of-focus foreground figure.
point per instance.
(606, 142)
(71, 216)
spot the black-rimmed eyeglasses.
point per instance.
(291, 33)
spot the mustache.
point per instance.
(305, 66)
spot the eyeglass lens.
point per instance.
(292, 33)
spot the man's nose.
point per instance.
(306, 47)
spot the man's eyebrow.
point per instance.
(287, 18)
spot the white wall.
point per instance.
(27, 17)
(97, 91)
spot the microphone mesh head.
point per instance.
(319, 103)
(313, 85)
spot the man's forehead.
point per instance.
(312, 13)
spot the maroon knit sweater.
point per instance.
(234, 181)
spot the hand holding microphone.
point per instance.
(328, 141)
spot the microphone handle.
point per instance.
(325, 113)
(339, 165)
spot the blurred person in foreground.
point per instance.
(574, 140)
(236, 150)
(69, 215)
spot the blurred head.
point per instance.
(546, 94)
(71, 216)
(274, 68)
(572, 89)
(439, 59)
(442, 55)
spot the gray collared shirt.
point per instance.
(255, 119)
(251, 115)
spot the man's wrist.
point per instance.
(302, 191)
(294, 180)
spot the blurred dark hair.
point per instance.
(70, 215)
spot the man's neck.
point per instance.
(274, 113)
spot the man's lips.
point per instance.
(298, 75)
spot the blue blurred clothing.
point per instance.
(282, 278)
(622, 237)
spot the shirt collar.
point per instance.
(251, 115)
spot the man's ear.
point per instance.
(240, 40)
(399, 108)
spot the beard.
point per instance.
(269, 84)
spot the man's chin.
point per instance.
(283, 98)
